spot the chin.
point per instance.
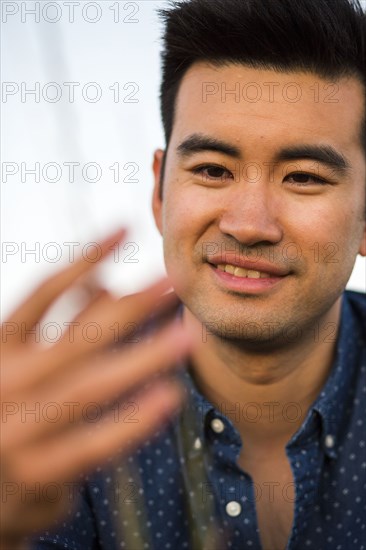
(250, 336)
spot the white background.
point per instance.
(118, 48)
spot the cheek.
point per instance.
(176, 227)
(186, 212)
(328, 237)
(186, 216)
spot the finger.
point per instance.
(38, 509)
(113, 320)
(30, 311)
(24, 366)
(109, 320)
(95, 386)
(87, 446)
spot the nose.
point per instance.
(251, 215)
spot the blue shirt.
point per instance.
(184, 489)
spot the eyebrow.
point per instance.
(324, 154)
(196, 143)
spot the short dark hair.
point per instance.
(326, 37)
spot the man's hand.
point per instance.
(58, 441)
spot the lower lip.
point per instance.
(244, 284)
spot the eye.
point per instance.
(303, 179)
(212, 172)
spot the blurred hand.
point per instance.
(56, 442)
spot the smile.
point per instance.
(246, 281)
(243, 273)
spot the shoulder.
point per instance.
(357, 303)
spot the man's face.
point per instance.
(261, 236)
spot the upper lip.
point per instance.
(258, 265)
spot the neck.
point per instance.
(265, 393)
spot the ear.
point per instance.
(362, 249)
(157, 203)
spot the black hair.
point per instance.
(326, 37)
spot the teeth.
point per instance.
(253, 274)
(230, 269)
(244, 273)
(240, 272)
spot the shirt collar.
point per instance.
(330, 406)
(336, 395)
(196, 411)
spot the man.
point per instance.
(260, 199)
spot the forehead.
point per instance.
(244, 104)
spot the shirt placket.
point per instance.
(234, 491)
(306, 459)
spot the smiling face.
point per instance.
(263, 206)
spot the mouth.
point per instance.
(244, 280)
(242, 272)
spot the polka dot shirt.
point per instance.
(184, 488)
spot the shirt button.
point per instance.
(329, 441)
(197, 444)
(233, 509)
(217, 425)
